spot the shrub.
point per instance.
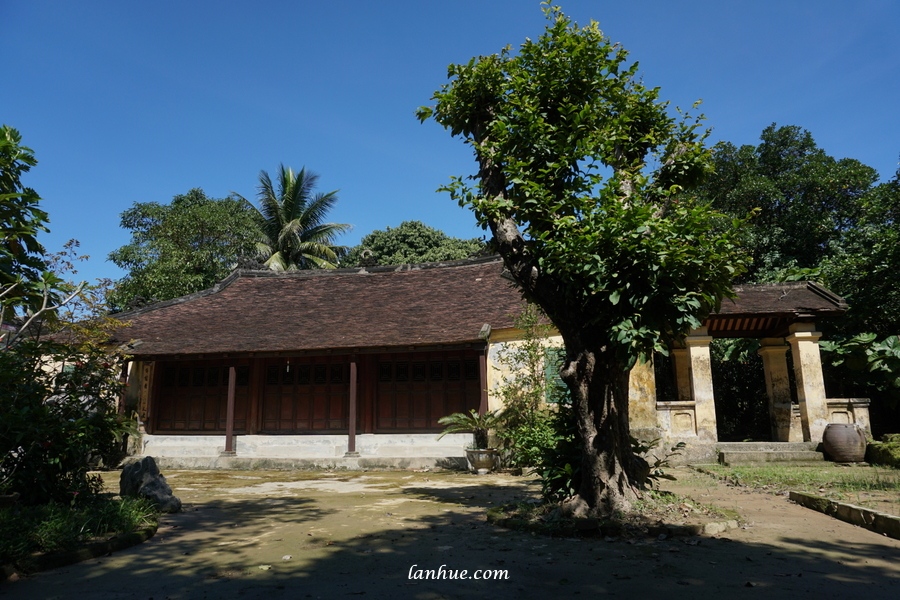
(58, 410)
(57, 527)
(886, 452)
(530, 392)
(559, 464)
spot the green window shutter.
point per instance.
(556, 387)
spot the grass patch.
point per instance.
(829, 478)
(57, 527)
(877, 488)
(657, 512)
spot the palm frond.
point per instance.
(291, 222)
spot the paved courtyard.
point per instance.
(295, 535)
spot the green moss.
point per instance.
(884, 453)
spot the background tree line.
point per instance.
(194, 241)
(823, 219)
(817, 217)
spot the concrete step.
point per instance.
(765, 446)
(731, 457)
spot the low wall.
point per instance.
(315, 447)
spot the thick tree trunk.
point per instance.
(597, 379)
(610, 472)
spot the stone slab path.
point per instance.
(294, 535)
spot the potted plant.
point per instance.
(481, 456)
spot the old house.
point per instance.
(354, 367)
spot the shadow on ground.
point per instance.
(335, 536)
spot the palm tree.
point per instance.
(293, 235)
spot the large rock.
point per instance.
(142, 479)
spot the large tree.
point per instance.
(805, 200)
(409, 243)
(292, 217)
(21, 219)
(865, 264)
(824, 219)
(583, 181)
(181, 247)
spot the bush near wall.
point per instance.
(58, 412)
(886, 452)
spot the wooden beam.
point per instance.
(229, 415)
(351, 434)
(482, 376)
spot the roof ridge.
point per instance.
(299, 274)
(308, 273)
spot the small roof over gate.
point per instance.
(767, 309)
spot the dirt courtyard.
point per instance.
(296, 535)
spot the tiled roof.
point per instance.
(767, 309)
(265, 311)
(398, 307)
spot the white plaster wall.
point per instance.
(308, 446)
(498, 373)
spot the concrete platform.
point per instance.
(306, 452)
(794, 458)
(361, 463)
(744, 453)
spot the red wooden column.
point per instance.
(351, 434)
(229, 415)
(123, 379)
(482, 376)
(257, 378)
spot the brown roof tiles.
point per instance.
(264, 311)
(405, 306)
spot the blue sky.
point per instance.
(128, 102)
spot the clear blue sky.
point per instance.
(128, 102)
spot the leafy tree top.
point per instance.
(181, 247)
(583, 180)
(862, 265)
(409, 243)
(21, 219)
(805, 199)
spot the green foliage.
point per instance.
(527, 441)
(291, 217)
(885, 452)
(824, 220)
(868, 362)
(534, 433)
(559, 466)
(805, 199)
(479, 424)
(410, 243)
(863, 265)
(583, 180)
(528, 424)
(21, 219)
(56, 527)
(182, 247)
(58, 411)
(659, 464)
(863, 269)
